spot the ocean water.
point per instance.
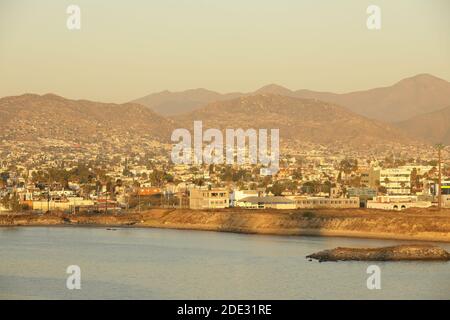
(133, 263)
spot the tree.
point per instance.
(348, 165)
(157, 178)
(297, 174)
(311, 187)
(382, 189)
(14, 203)
(277, 189)
(4, 176)
(199, 182)
(355, 182)
(5, 201)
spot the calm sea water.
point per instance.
(173, 264)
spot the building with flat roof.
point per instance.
(322, 202)
(363, 193)
(268, 202)
(445, 192)
(397, 203)
(397, 181)
(60, 205)
(237, 195)
(217, 198)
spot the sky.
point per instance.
(128, 49)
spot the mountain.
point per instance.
(433, 127)
(407, 98)
(298, 119)
(31, 116)
(169, 103)
(274, 89)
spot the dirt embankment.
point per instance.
(412, 224)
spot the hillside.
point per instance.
(433, 127)
(407, 98)
(30, 116)
(297, 119)
(169, 103)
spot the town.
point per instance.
(129, 176)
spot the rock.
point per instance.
(394, 253)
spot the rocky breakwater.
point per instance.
(395, 253)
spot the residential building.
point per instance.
(397, 181)
(217, 198)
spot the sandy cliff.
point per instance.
(413, 224)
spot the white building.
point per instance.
(397, 181)
(323, 202)
(237, 195)
(63, 205)
(268, 202)
(397, 203)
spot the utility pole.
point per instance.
(439, 147)
(128, 203)
(98, 199)
(48, 200)
(48, 195)
(139, 200)
(106, 201)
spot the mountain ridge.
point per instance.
(400, 101)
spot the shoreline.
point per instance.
(415, 225)
(312, 233)
(287, 233)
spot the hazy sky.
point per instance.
(127, 49)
